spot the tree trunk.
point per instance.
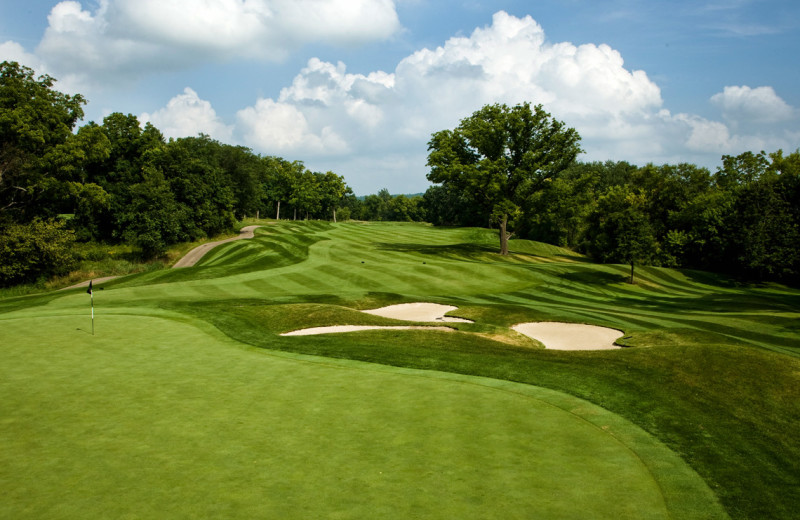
(631, 273)
(504, 236)
(278, 214)
(295, 213)
(334, 215)
(258, 214)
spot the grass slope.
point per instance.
(714, 373)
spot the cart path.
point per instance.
(189, 259)
(194, 256)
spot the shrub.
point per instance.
(38, 249)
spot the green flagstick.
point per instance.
(89, 290)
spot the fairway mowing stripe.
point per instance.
(379, 277)
(674, 281)
(746, 335)
(307, 282)
(617, 321)
(560, 307)
(552, 296)
(350, 277)
(235, 252)
(210, 291)
(411, 279)
(262, 286)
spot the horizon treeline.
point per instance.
(743, 220)
(121, 181)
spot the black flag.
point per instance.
(89, 290)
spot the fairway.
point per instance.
(188, 403)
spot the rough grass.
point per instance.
(713, 371)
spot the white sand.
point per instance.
(404, 312)
(418, 312)
(570, 336)
(354, 328)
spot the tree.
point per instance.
(152, 220)
(116, 171)
(306, 194)
(620, 229)
(557, 213)
(445, 206)
(763, 227)
(198, 183)
(741, 169)
(40, 248)
(332, 188)
(34, 118)
(498, 155)
(245, 171)
(279, 183)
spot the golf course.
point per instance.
(182, 397)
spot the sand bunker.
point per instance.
(570, 336)
(418, 312)
(354, 328)
(403, 312)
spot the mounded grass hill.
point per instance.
(186, 402)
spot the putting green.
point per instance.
(155, 417)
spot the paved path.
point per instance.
(194, 256)
(86, 283)
(189, 259)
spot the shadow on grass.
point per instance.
(465, 252)
(594, 277)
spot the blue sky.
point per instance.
(358, 86)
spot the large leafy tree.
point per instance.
(333, 189)
(500, 154)
(620, 229)
(763, 227)
(306, 193)
(278, 184)
(35, 119)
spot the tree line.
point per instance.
(121, 181)
(512, 168)
(515, 167)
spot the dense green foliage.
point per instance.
(387, 207)
(742, 220)
(499, 155)
(40, 248)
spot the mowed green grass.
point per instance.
(159, 419)
(713, 374)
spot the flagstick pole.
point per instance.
(91, 294)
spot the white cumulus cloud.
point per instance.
(187, 115)
(132, 37)
(742, 104)
(619, 112)
(13, 51)
(281, 128)
(510, 61)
